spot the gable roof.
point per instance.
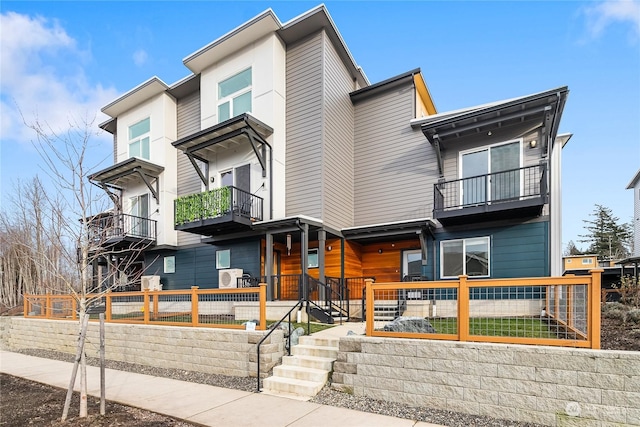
(634, 181)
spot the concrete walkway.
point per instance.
(198, 403)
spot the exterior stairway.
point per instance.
(303, 374)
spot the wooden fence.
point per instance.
(556, 311)
(215, 308)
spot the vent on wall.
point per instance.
(229, 278)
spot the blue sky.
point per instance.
(68, 59)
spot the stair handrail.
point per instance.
(273, 328)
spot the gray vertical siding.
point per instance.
(188, 180)
(303, 179)
(338, 141)
(451, 156)
(394, 165)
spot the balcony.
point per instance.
(120, 231)
(222, 210)
(515, 193)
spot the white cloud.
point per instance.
(614, 12)
(140, 57)
(43, 76)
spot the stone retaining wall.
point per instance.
(211, 350)
(545, 385)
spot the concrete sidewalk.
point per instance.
(198, 403)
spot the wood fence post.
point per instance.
(263, 307)
(195, 317)
(145, 307)
(463, 309)
(594, 308)
(368, 283)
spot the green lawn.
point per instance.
(496, 327)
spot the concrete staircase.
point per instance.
(303, 374)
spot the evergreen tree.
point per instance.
(606, 238)
(572, 249)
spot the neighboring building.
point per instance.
(276, 157)
(579, 262)
(635, 186)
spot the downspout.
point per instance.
(270, 181)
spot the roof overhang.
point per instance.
(144, 91)
(121, 174)
(263, 24)
(294, 223)
(313, 21)
(634, 181)
(540, 110)
(235, 131)
(387, 230)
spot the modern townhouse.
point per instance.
(277, 161)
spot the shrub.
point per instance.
(629, 290)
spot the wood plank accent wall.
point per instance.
(360, 260)
(385, 266)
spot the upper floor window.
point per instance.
(587, 261)
(139, 139)
(234, 95)
(502, 163)
(464, 256)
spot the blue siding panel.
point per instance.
(196, 266)
(516, 250)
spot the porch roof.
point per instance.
(121, 174)
(223, 136)
(291, 223)
(389, 229)
(540, 110)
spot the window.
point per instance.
(503, 161)
(586, 261)
(223, 259)
(412, 263)
(169, 264)
(139, 139)
(312, 258)
(234, 95)
(464, 256)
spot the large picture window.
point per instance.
(464, 257)
(234, 95)
(139, 139)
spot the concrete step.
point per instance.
(316, 351)
(319, 341)
(325, 363)
(301, 373)
(293, 386)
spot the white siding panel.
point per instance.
(395, 166)
(304, 128)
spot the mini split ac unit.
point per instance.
(229, 278)
(150, 283)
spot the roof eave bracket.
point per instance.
(155, 191)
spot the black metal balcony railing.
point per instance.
(217, 203)
(107, 228)
(500, 187)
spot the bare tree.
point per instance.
(85, 231)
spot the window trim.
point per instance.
(231, 97)
(219, 265)
(139, 139)
(169, 264)
(317, 263)
(464, 254)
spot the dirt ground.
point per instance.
(26, 403)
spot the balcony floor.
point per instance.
(494, 211)
(225, 224)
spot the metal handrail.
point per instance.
(273, 328)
